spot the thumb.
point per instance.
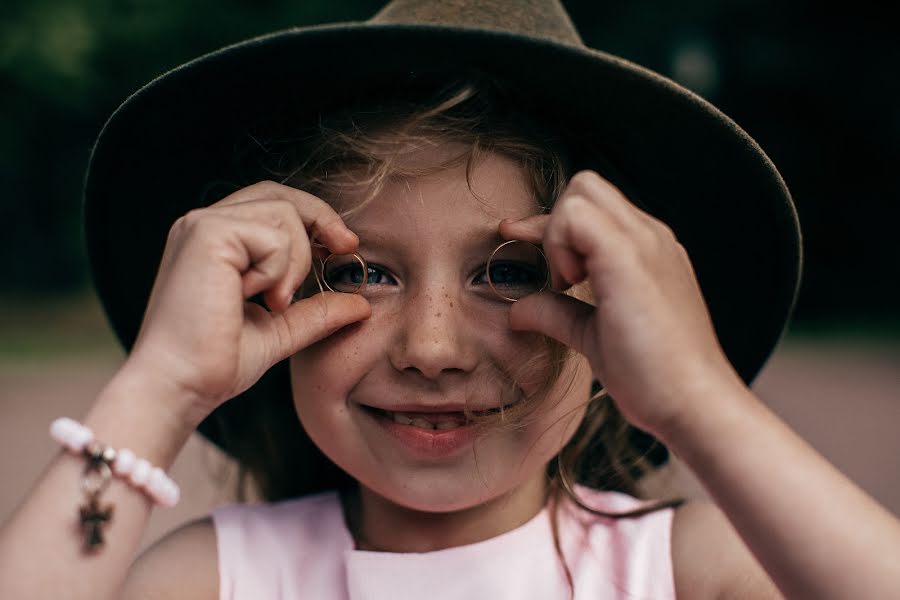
(311, 319)
(562, 317)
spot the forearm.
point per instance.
(813, 530)
(41, 544)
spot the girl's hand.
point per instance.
(199, 331)
(649, 339)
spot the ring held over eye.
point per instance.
(514, 270)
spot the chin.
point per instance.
(435, 495)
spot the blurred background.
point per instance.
(816, 84)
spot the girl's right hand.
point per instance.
(200, 333)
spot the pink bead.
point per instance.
(80, 438)
(60, 430)
(73, 435)
(170, 498)
(164, 490)
(124, 462)
(136, 471)
(141, 472)
(70, 433)
(157, 477)
(156, 482)
(59, 425)
(160, 487)
(171, 494)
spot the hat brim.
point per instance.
(692, 166)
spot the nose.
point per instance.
(434, 339)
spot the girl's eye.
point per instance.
(515, 279)
(347, 276)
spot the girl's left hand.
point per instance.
(649, 337)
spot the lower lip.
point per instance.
(426, 443)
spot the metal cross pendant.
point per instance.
(93, 518)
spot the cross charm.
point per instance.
(92, 520)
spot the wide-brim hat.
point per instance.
(691, 165)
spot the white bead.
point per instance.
(167, 496)
(161, 497)
(164, 490)
(137, 471)
(60, 429)
(71, 434)
(60, 426)
(124, 462)
(141, 472)
(173, 494)
(157, 481)
(80, 437)
(157, 477)
(70, 440)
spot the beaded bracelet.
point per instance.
(102, 462)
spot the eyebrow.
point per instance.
(485, 238)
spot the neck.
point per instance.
(378, 524)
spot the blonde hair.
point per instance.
(361, 148)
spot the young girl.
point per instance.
(438, 285)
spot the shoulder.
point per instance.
(710, 560)
(239, 550)
(267, 526)
(632, 553)
(641, 531)
(183, 564)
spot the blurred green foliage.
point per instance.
(64, 67)
(816, 85)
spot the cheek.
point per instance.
(558, 419)
(322, 376)
(332, 364)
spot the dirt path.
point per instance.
(844, 399)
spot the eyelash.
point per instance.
(372, 267)
(375, 267)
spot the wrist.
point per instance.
(178, 403)
(145, 414)
(711, 411)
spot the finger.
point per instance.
(530, 229)
(282, 215)
(603, 194)
(258, 251)
(319, 219)
(583, 234)
(268, 257)
(566, 265)
(312, 319)
(562, 317)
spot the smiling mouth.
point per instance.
(432, 421)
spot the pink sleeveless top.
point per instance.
(302, 548)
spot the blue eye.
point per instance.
(348, 277)
(513, 279)
(517, 269)
(515, 274)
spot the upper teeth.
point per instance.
(425, 423)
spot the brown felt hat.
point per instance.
(691, 165)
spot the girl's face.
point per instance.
(437, 336)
